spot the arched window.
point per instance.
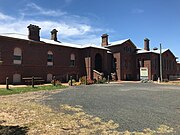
(17, 56)
(72, 60)
(50, 58)
(49, 77)
(16, 78)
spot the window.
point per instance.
(148, 57)
(140, 63)
(16, 78)
(72, 60)
(130, 49)
(50, 58)
(127, 49)
(49, 77)
(17, 56)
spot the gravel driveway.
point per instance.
(135, 106)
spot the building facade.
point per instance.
(151, 60)
(24, 56)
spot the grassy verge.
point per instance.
(175, 83)
(29, 89)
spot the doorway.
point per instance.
(98, 62)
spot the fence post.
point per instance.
(7, 83)
(33, 82)
(54, 80)
(71, 80)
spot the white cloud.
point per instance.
(46, 26)
(88, 39)
(33, 9)
(4, 17)
(70, 28)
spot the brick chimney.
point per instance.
(104, 40)
(34, 32)
(146, 44)
(54, 35)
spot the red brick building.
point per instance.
(123, 58)
(24, 56)
(178, 69)
(151, 59)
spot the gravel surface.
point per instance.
(135, 106)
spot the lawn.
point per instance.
(29, 89)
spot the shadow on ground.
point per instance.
(13, 130)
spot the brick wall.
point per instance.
(125, 56)
(34, 59)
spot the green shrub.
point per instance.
(83, 80)
(101, 81)
(57, 82)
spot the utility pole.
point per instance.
(161, 77)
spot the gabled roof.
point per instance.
(48, 41)
(15, 35)
(152, 51)
(120, 42)
(93, 46)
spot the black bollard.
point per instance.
(7, 83)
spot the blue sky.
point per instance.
(84, 21)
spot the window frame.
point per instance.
(50, 58)
(17, 56)
(72, 60)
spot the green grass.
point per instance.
(29, 89)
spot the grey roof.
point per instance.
(118, 42)
(48, 41)
(151, 51)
